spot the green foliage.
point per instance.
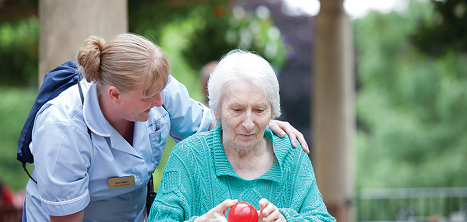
(257, 31)
(157, 175)
(14, 109)
(19, 52)
(410, 108)
(214, 29)
(445, 31)
(241, 29)
(207, 41)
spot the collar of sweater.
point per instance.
(222, 165)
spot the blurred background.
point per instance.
(408, 78)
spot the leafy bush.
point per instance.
(212, 28)
(19, 52)
(16, 103)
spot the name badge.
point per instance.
(117, 182)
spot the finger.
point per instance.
(262, 203)
(273, 216)
(266, 207)
(293, 137)
(218, 212)
(229, 203)
(292, 132)
(302, 141)
(299, 136)
(226, 204)
(276, 128)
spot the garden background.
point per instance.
(411, 78)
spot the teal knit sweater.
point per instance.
(198, 177)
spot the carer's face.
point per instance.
(245, 113)
(137, 106)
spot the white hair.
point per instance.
(239, 64)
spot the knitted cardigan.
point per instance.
(198, 177)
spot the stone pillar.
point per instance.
(333, 109)
(65, 25)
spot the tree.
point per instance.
(445, 31)
(412, 126)
(212, 28)
(19, 52)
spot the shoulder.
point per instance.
(283, 145)
(286, 153)
(64, 110)
(173, 89)
(66, 103)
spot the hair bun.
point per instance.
(89, 58)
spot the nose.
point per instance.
(157, 100)
(248, 122)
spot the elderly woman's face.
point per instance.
(245, 113)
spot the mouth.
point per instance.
(246, 136)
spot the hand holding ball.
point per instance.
(242, 212)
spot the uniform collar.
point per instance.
(222, 164)
(93, 115)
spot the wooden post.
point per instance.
(65, 25)
(333, 109)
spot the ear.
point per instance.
(114, 94)
(217, 114)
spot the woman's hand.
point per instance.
(269, 212)
(278, 127)
(218, 212)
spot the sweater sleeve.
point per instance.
(174, 198)
(308, 203)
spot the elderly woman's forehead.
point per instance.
(240, 81)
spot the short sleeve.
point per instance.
(62, 155)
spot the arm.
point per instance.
(278, 127)
(187, 116)
(76, 217)
(60, 166)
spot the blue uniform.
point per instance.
(74, 172)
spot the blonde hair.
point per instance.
(124, 62)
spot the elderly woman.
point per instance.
(240, 159)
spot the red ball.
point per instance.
(242, 212)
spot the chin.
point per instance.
(249, 146)
(143, 118)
